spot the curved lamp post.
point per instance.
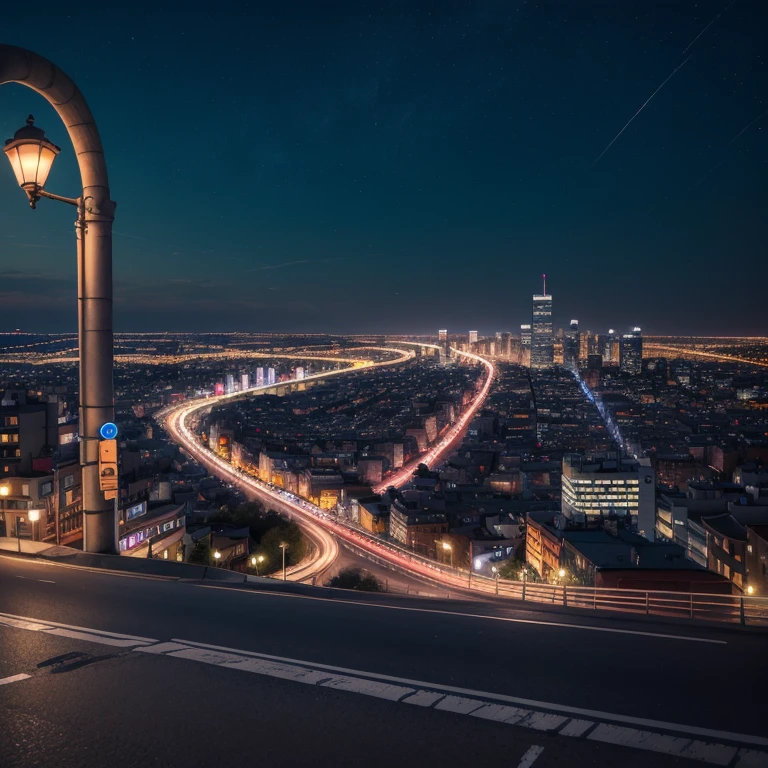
(31, 155)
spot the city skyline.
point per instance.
(424, 146)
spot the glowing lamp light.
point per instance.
(31, 156)
(217, 554)
(750, 590)
(34, 515)
(4, 490)
(561, 573)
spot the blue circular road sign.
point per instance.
(108, 431)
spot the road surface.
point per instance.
(100, 669)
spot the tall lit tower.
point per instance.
(542, 343)
(525, 345)
(442, 340)
(631, 352)
(473, 337)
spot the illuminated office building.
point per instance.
(245, 381)
(525, 345)
(299, 372)
(608, 347)
(473, 337)
(606, 486)
(542, 342)
(631, 352)
(259, 377)
(271, 376)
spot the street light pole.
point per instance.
(94, 295)
(284, 547)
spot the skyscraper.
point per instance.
(525, 345)
(270, 376)
(259, 377)
(230, 385)
(542, 343)
(473, 337)
(442, 340)
(631, 352)
(572, 346)
(607, 347)
(245, 381)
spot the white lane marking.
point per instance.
(536, 622)
(367, 687)
(46, 581)
(459, 704)
(536, 705)
(94, 635)
(717, 754)
(530, 756)
(91, 637)
(89, 569)
(576, 727)
(13, 679)
(423, 698)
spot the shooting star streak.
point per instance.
(747, 127)
(708, 26)
(679, 66)
(740, 133)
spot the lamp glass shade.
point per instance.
(34, 515)
(31, 160)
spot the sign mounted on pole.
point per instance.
(108, 465)
(108, 431)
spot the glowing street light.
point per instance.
(496, 576)
(448, 548)
(31, 156)
(217, 556)
(4, 490)
(750, 590)
(256, 562)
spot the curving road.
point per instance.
(320, 526)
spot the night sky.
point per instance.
(399, 167)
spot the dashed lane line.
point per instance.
(13, 679)
(530, 756)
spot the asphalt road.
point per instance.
(328, 679)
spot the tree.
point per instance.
(423, 471)
(354, 578)
(201, 554)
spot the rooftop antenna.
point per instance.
(544, 277)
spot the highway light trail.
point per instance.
(321, 524)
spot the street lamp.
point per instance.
(31, 156)
(283, 546)
(4, 490)
(217, 555)
(448, 548)
(750, 590)
(256, 562)
(33, 516)
(496, 576)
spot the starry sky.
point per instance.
(404, 166)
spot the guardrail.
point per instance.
(732, 609)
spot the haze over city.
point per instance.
(306, 164)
